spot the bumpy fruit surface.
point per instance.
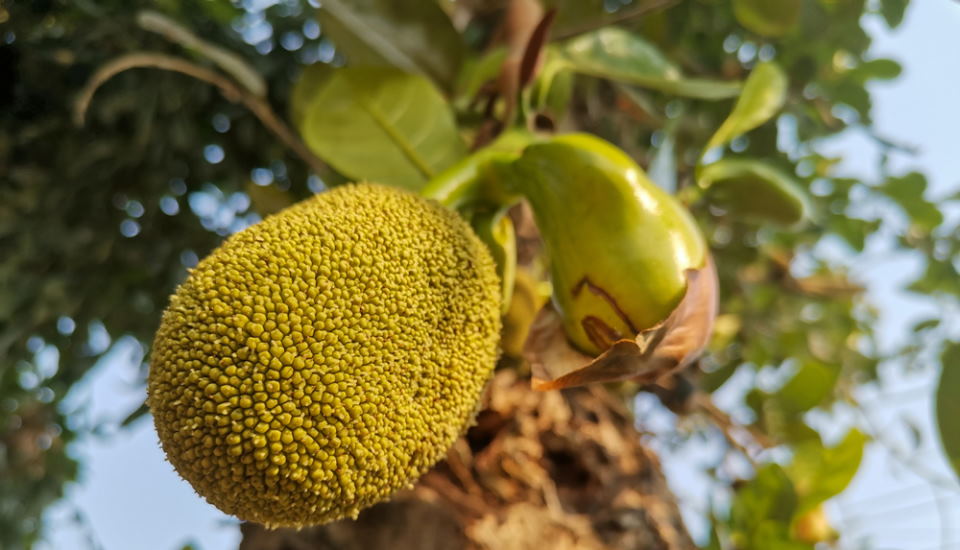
(326, 357)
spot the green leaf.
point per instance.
(820, 473)
(948, 404)
(623, 56)
(893, 11)
(926, 324)
(775, 535)
(415, 36)
(755, 190)
(222, 11)
(879, 69)
(713, 380)
(311, 80)
(809, 387)
(137, 414)
(770, 495)
(478, 71)
(763, 95)
(768, 18)
(381, 125)
(559, 94)
(940, 277)
(853, 230)
(907, 191)
(553, 87)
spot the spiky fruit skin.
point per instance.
(325, 357)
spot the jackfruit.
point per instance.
(619, 246)
(326, 357)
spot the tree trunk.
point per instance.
(551, 471)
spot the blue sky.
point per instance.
(129, 497)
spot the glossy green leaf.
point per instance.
(755, 190)
(948, 404)
(381, 125)
(623, 56)
(415, 36)
(763, 95)
(768, 18)
(820, 473)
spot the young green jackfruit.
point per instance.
(325, 357)
(619, 246)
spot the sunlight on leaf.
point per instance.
(379, 124)
(763, 95)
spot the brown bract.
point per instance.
(653, 354)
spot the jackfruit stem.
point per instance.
(483, 177)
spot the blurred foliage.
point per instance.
(98, 224)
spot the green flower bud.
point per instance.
(619, 247)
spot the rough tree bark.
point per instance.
(557, 470)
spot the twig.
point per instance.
(727, 432)
(231, 63)
(703, 402)
(619, 17)
(230, 90)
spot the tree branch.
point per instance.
(229, 62)
(230, 90)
